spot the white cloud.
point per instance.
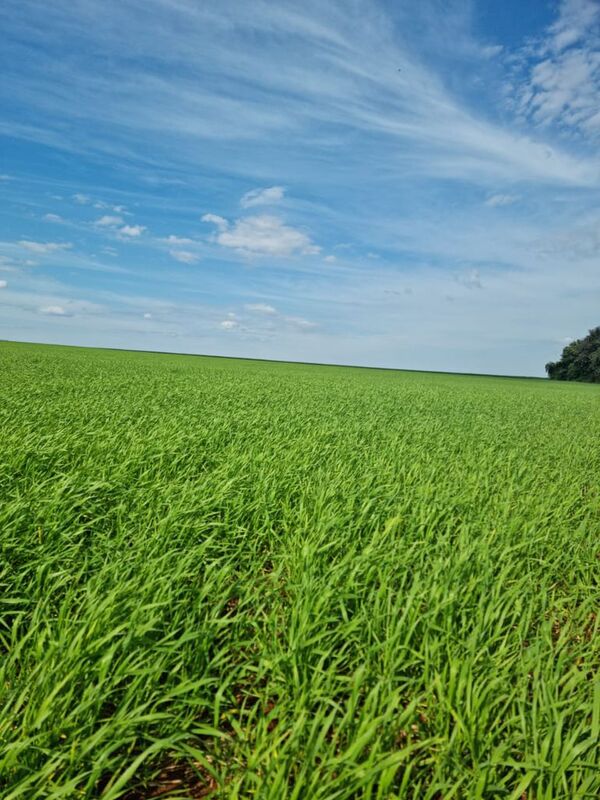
(262, 197)
(44, 247)
(330, 259)
(496, 200)
(82, 199)
(228, 324)
(132, 230)
(6, 178)
(101, 204)
(3, 284)
(264, 235)
(177, 240)
(57, 311)
(184, 256)
(576, 18)
(53, 218)
(349, 87)
(260, 308)
(147, 315)
(109, 221)
(220, 222)
(346, 91)
(562, 71)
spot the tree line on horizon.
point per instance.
(580, 360)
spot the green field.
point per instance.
(267, 580)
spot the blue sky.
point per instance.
(396, 184)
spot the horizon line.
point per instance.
(281, 361)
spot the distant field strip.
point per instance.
(237, 579)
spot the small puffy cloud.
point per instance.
(108, 221)
(177, 240)
(228, 324)
(100, 204)
(496, 200)
(82, 199)
(215, 219)
(44, 247)
(132, 230)
(147, 315)
(330, 259)
(184, 256)
(53, 218)
(260, 308)
(264, 235)
(3, 284)
(262, 197)
(56, 311)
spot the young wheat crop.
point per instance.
(242, 579)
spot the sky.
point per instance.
(395, 184)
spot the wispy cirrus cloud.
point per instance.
(177, 240)
(275, 85)
(41, 248)
(53, 311)
(261, 308)
(495, 200)
(184, 256)
(382, 122)
(87, 200)
(262, 197)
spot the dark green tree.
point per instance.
(580, 360)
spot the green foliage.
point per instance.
(288, 582)
(580, 360)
